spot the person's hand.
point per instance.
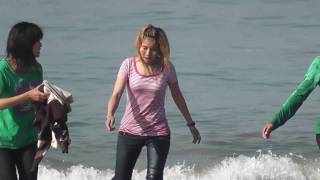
(196, 135)
(266, 130)
(110, 123)
(37, 96)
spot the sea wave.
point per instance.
(260, 167)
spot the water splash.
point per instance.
(265, 167)
(259, 167)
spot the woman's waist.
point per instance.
(143, 135)
(138, 130)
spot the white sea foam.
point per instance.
(260, 167)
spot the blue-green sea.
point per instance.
(237, 62)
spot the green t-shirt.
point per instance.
(16, 129)
(295, 100)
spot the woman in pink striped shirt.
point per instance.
(144, 123)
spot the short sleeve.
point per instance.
(124, 69)
(2, 78)
(2, 83)
(172, 76)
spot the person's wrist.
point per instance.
(28, 95)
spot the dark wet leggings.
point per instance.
(22, 159)
(128, 150)
(318, 140)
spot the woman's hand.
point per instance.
(36, 95)
(110, 125)
(266, 130)
(196, 135)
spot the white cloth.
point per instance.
(63, 96)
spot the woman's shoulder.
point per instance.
(170, 67)
(316, 60)
(128, 60)
(126, 64)
(38, 67)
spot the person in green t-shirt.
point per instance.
(295, 100)
(20, 74)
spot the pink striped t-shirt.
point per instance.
(144, 114)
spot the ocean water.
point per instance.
(237, 62)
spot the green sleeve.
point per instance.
(295, 100)
(2, 81)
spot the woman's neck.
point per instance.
(149, 68)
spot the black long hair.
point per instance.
(21, 39)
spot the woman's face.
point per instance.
(149, 51)
(36, 49)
